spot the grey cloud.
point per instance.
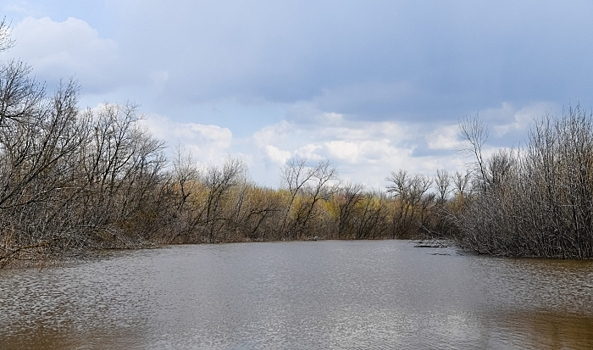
(451, 57)
(373, 60)
(423, 150)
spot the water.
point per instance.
(299, 295)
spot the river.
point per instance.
(299, 295)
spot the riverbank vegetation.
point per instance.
(74, 180)
(534, 201)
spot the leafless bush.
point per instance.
(540, 202)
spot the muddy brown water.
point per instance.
(299, 295)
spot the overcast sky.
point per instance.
(373, 86)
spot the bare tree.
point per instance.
(295, 176)
(443, 184)
(348, 197)
(462, 183)
(309, 185)
(372, 218)
(218, 182)
(6, 42)
(474, 131)
(409, 201)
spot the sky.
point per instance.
(372, 86)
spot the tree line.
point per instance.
(74, 180)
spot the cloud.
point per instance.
(444, 138)
(384, 60)
(60, 50)
(520, 119)
(362, 151)
(369, 99)
(276, 155)
(509, 123)
(366, 151)
(372, 86)
(20, 7)
(208, 144)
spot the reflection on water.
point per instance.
(541, 330)
(299, 295)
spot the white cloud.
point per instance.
(444, 138)
(60, 50)
(272, 133)
(359, 151)
(20, 7)
(363, 152)
(276, 155)
(310, 152)
(510, 118)
(208, 144)
(522, 118)
(344, 150)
